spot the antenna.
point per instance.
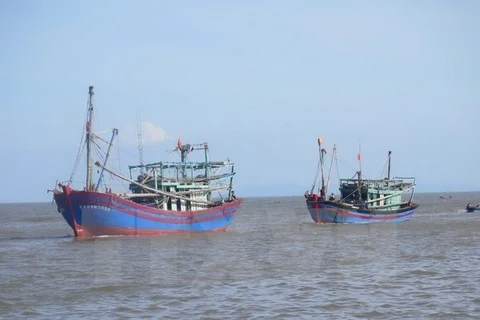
(140, 140)
(359, 156)
(88, 128)
(389, 162)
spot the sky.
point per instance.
(260, 81)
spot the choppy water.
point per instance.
(273, 262)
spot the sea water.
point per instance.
(272, 262)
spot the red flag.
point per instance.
(358, 156)
(179, 143)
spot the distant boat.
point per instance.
(361, 200)
(164, 198)
(471, 208)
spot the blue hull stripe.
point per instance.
(328, 212)
(99, 210)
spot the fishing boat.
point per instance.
(161, 197)
(361, 200)
(471, 208)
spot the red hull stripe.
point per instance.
(84, 197)
(158, 215)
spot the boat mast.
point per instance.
(184, 149)
(389, 159)
(207, 168)
(359, 158)
(140, 141)
(319, 167)
(89, 181)
(322, 162)
(207, 160)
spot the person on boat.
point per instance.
(234, 197)
(332, 197)
(468, 206)
(322, 194)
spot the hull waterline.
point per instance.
(333, 212)
(98, 214)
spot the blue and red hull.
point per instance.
(335, 212)
(97, 214)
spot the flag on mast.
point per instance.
(359, 151)
(179, 143)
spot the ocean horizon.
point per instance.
(272, 262)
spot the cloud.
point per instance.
(151, 134)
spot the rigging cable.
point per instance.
(331, 167)
(318, 169)
(81, 147)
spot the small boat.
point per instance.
(162, 197)
(361, 200)
(471, 208)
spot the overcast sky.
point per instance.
(259, 80)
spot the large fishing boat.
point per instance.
(162, 197)
(361, 200)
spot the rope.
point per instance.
(77, 161)
(331, 167)
(81, 146)
(318, 170)
(172, 195)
